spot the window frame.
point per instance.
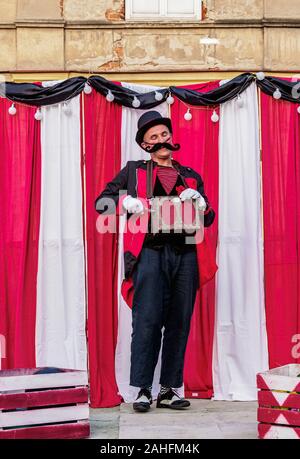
(162, 16)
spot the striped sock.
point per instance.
(164, 389)
(149, 388)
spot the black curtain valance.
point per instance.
(36, 95)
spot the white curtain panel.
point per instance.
(240, 340)
(61, 310)
(130, 151)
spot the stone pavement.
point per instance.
(204, 419)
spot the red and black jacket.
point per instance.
(126, 179)
(134, 180)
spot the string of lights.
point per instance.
(36, 95)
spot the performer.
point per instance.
(162, 271)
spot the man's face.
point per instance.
(159, 133)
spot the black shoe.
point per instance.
(171, 399)
(143, 401)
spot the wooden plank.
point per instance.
(44, 415)
(269, 431)
(72, 430)
(33, 371)
(68, 378)
(284, 383)
(269, 398)
(278, 382)
(279, 402)
(260, 382)
(278, 416)
(291, 370)
(44, 398)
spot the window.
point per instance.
(159, 10)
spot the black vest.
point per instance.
(158, 240)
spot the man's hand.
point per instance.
(202, 203)
(133, 205)
(190, 193)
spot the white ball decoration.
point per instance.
(277, 94)
(239, 101)
(38, 115)
(87, 88)
(188, 116)
(110, 97)
(298, 109)
(215, 117)
(12, 110)
(136, 103)
(260, 76)
(158, 95)
(66, 109)
(170, 99)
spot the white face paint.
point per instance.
(158, 134)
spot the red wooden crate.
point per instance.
(44, 403)
(278, 412)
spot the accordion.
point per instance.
(169, 213)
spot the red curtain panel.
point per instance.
(281, 210)
(199, 149)
(20, 194)
(102, 132)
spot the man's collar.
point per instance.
(174, 162)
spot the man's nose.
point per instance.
(162, 139)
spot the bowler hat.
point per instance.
(148, 120)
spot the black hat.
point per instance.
(148, 120)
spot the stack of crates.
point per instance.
(44, 403)
(279, 402)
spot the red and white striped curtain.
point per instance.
(20, 200)
(240, 341)
(281, 210)
(60, 301)
(61, 311)
(102, 148)
(199, 139)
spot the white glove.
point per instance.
(190, 193)
(202, 203)
(132, 205)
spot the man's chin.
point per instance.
(163, 152)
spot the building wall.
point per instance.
(91, 36)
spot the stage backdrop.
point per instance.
(240, 346)
(199, 139)
(281, 205)
(60, 301)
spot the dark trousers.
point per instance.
(165, 287)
